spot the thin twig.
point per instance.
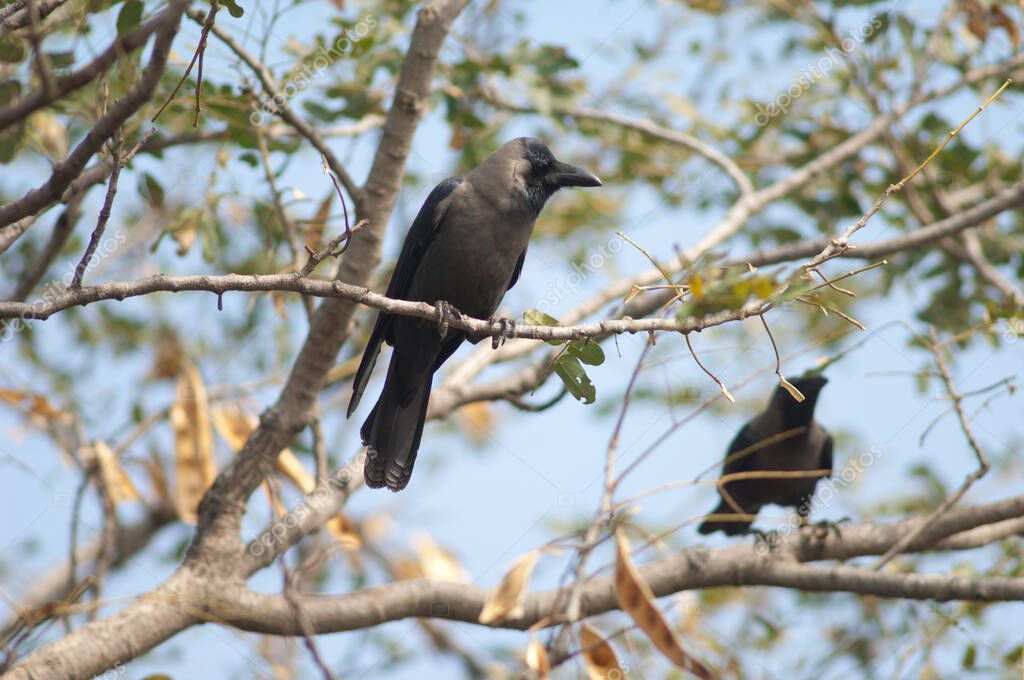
(108, 201)
(788, 386)
(287, 591)
(842, 243)
(332, 249)
(196, 56)
(957, 398)
(721, 385)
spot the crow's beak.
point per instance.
(565, 175)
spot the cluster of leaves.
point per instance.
(569, 361)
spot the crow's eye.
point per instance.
(540, 158)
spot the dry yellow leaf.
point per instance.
(51, 133)
(235, 424)
(279, 299)
(169, 356)
(636, 599)
(194, 466)
(975, 18)
(507, 599)
(290, 466)
(797, 395)
(1005, 21)
(696, 286)
(346, 531)
(119, 486)
(406, 567)
(537, 658)
(598, 655)
(436, 562)
(477, 421)
(30, 403)
(157, 479)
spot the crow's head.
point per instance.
(538, 174)
(802, 412)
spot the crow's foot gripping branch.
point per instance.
(445, 314)
(823, 528)
(765, 541)
(508, 331)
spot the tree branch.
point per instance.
(132, 631)
(55, 302)
(1008, 199)
(699, 567)
(18, 15)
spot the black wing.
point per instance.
(421, 233)
(517, 271)
(826, 455)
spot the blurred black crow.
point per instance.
(465, 248)
(800, 444)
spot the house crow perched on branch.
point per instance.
(465, 248)
(782, 438)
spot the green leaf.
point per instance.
(576, 380)
(130, 16)
(970, 654)
(12, 50)
(10, 143)
(61, 59)
(14, 136)
(234, 9)
(535, 317)
(150, 189)
(586, 350)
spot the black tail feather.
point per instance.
(394, 427)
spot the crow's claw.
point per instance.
(445, 314)
(766, 541)
(508, 330)
(823, 527)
